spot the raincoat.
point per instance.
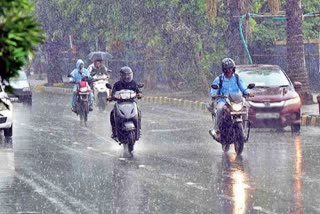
(228, 86)
(76, 76)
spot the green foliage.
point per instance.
(264, 35)
(176, 30)
(19, 36)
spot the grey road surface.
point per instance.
(57, 165)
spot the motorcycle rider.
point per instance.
(229, 83)
(126, 82)
(77, 75)
(97, 67)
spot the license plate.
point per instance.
(267, 115)
(14, 99)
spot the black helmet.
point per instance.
(227, 63)
(126, 74)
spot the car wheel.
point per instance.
(295, 128)
(8, 132)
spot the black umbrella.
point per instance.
(99, 55)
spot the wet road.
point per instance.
(55, 165)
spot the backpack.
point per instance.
(221, 81)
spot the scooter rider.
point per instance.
(76, 76)
(229, 83)
(97, 67)
(126, 82)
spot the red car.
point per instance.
(275, 103)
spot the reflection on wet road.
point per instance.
(57, 165)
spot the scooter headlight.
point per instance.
(236, 106)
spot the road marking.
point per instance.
(196, 185)
(54, 189)
(42, 191)
(174, 177)
(170, 130)
(108, 154)
(260, 209)
(27, 212)
(226, 197)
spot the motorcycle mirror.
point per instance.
(108, 85)
(251, 86)
(214, 86)
(140, 85)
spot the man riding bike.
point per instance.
(229, 82)
(126, 82)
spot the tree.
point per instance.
(19, 36)
(295, 47)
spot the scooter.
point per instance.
(234, 127)
(82, 104)
(126, 117)
(100, 91)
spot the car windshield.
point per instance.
(22, 76)
(267, 78)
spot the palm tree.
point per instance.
(295, 48)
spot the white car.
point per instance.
(6, 117)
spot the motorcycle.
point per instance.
(126, 117)
(234, 127)
(100, 91)
(82, 104)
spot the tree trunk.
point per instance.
(295, 49)
(54, 71)
(235, 47)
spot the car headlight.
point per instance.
(26, 89)
(237, 106)
(295, 100)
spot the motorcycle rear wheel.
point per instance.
(239, 143)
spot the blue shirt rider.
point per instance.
(230, 84)
(75, 77)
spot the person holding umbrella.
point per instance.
(97, 67)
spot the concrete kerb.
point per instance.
(310, 120)
(306, 120)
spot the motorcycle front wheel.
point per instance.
(239, 141)
(131, 141)
(83, 111)
(129, 145)
(102, 101)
